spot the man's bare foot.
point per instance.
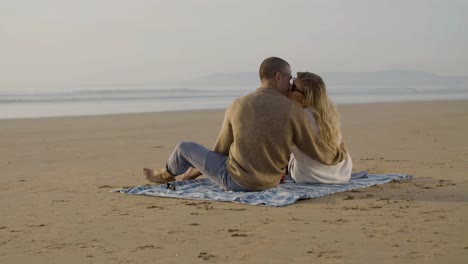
(191, 174)
(161, 177)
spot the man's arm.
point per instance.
(226, 135)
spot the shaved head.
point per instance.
(270, 66)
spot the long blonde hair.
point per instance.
(325, 113)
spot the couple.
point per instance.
(280, 125)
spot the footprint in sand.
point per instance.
(205, 256)
(328, 254)
(154, 207)
(239, 235)
(235, 233)
(236, 209)
(40, 225)
(105, 186)
(206, 207)
(147, 247)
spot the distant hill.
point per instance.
(393, 77)
(224, 79)
(343, 78)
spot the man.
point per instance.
(253, 146)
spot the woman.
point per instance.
(309, 90)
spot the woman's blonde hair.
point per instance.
(325, 113)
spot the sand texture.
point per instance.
(56, 173)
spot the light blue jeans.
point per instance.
(210, 163)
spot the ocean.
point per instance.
(28, 104)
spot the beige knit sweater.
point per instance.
(257, 133)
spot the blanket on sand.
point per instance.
(285, 194)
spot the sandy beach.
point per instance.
(56, 173)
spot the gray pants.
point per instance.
(211, 164)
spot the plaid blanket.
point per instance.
(285, 194)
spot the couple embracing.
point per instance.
(286, 124)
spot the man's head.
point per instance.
(276, 72)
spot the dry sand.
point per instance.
(56, 173)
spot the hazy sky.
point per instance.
(81, 42)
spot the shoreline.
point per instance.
(221, 109)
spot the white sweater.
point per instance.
(303, 169)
